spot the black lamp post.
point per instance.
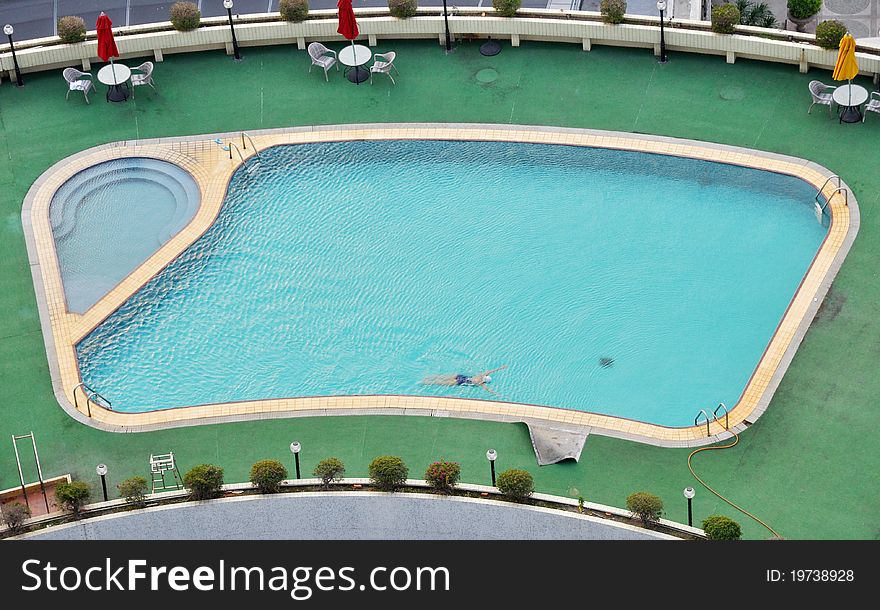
(227, 4)
(661, 6)
(294, 448)
(689, 493)
(446, 25)
(492, 455)
(102, 472)
(8, 30)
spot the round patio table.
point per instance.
(114, 76)
(850, 99)
(354, 56)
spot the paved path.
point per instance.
(347, 516)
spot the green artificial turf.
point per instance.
(808, 466)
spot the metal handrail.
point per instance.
(244, 135)
(90, 395)
(827, 180)
(697, 422)
(721, 405)
(840, 189)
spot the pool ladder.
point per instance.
(244, 135)
(721, 406)
(91, 397)
(820, 207)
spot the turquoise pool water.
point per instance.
(109, 218)
(630, 284)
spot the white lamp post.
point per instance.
(294, 449)
(689, 493)
(492, 455)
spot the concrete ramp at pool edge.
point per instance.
(553, 445)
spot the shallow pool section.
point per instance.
(109, 218)
(630, 284)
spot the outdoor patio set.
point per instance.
(848, 98)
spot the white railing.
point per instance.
(534, 24)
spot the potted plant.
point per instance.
(801, 12)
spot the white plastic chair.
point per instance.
(382, 64)
(77, 81)
(873, 104)
(821, 94)
(144, 76)
(321, 57)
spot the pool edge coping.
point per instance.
(203, 150)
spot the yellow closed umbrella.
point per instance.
(846, 67)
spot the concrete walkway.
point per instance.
(347, 516)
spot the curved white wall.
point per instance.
(547, 25)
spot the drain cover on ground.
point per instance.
(732, 93)
(487, 75)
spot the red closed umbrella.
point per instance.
(106, 43)
(348, 26)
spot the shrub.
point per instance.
(71, 29)
(204, 481)
(388, 472)
(403, 9)
(294, 10)
(267, 475)
(329, 470)
(443, 476)
(134, 490)
(73, 496)
(758, 14)
(829, 33)
(646, 506)
(719, 527)
(185, 16)
(725, 18)
(506, 8)
(804, 9)
(515, 483)
(612, 10)
(13, 515)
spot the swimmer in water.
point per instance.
(480, 379)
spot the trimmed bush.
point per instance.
(725, 18)
(134, 490)
(294, 10)
(443, 476)
(506, 8)
(829, 33)
(646, 506)
(329, 470)
(516, 484)
(719, 527)
(267, 475)
(73, 496)
(204, 481)
(13, 515)
(185, 16)
(612, 10)
(804, 9)
(388, 472)
(403, 9)
(71, 29)
(758, 15)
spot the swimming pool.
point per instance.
(109, 218)
(637, 285)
